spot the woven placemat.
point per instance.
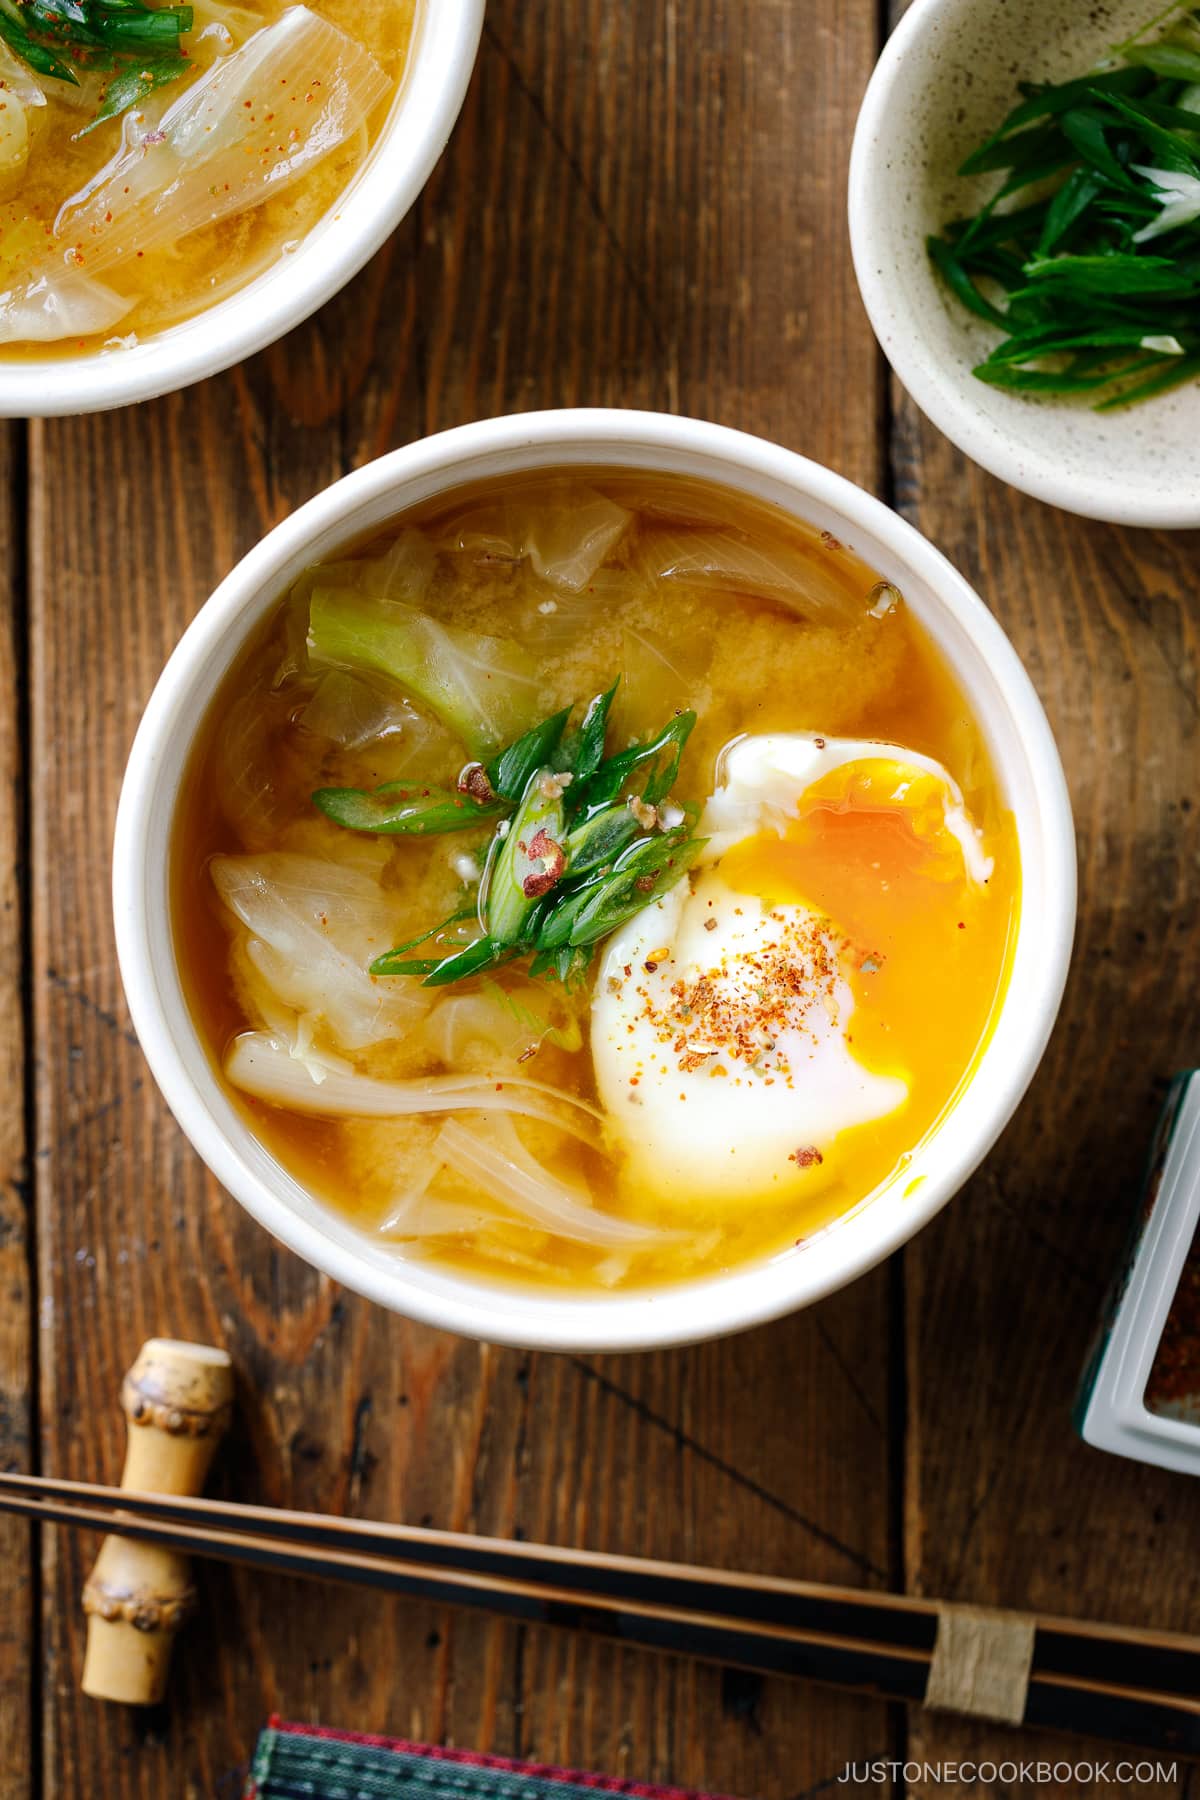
(312, 1762)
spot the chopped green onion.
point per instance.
(509, 773)
(527, 861)
(568, 866)
(403, 808)
(645, 871)
(587, 752)
(663, 751)
(138, 46)
(599, 839)
(1096, 281)
(483, 954)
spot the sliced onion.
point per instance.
(405, 1205)
(254, 122)
(566, 537)
(18, 79)
(808, 582)
(260, 1064)
(311, 930)
(506, 1172)
(53, 306)
(352, 713)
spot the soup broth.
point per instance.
(114, 228)
(594, 880)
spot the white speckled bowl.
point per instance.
(946, 77)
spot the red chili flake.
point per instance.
(819, 742)
(552, 859)
(645, 883)
(710, 924)
(805, 1157)
(473, 780)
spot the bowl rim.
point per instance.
(943, 402)
(424, 109)
(682, 1313)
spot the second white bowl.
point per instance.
(440, 61)
(946, 78)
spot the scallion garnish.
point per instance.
(1096, 281)
(574, 853)
(138, 47)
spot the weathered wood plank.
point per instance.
(18, 1687)
(1004, 1504)
(620, 219)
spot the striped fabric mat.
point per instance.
(311, 1762)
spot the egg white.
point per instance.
(695, 1120)
(700, 1105)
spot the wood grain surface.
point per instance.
(18, 1564)
(642, 205)
(1003, 1504)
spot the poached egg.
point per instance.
(748, 1026)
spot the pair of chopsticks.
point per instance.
(1134, 1686)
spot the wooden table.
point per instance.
(642, 205)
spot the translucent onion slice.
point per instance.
(262, 1065)
(507, 1172)
(404, 1206)
(55, 306)
(17, 78)
(808, 582)
(566, 538)
(14, 140)
(313, 928)
(258, 119)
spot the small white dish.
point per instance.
(1003, 701)
(1112, 1411)
(441, 58)
(947, 76)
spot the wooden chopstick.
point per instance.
(1136, 1686)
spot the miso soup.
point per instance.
(595, 880)
(153, 159)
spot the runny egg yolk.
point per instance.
(782, 1028)
(871, 849)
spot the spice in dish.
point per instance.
(1086, 254)
(1173, 1388)
(154, 160)
(595, 880)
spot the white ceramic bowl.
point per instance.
(1003, 701)
(946, 78)
(445, 42)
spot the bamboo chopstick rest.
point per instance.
(177, 1400)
